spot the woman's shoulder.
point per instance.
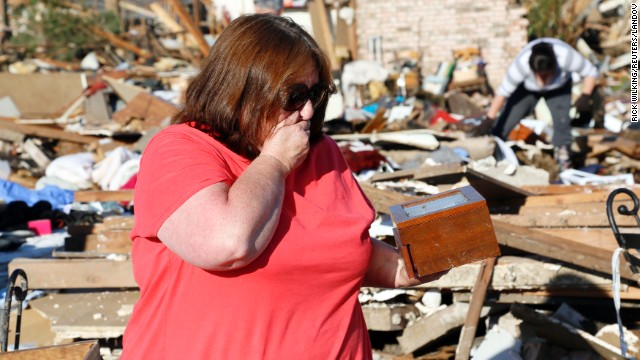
(326, 142)
(182, 134)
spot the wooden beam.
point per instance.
(137, 9)
(47, 132)
(75, 273)
(102, 195)
(121, 43)
(468, 332)
(559, 189)
(630, 296)
(565, 199)
(86, 350)
(553, 247)
(322, 30)
(520, 273)
(565, 219)
(598, 237)
(192, 28)
(382, 199)
(421, 173)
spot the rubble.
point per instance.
(72, 130)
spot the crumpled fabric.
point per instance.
(116, 168)
(71, 171)
(57, 197)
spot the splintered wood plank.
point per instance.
(563, 334)
(191, 27)
(153, 110)
(76, 273)
(82, 350)
(45, 131)
(116, 41)
(598, 237)
(559, 189)
(555, 296)
(563, 219)
(524, 273)
(494, 189)
(103, 195)
(552, 210)
(594, 197)
(478, 296)
(553, 247)
(320, 23)
(422, 173)
(382, 199)
(87, 315)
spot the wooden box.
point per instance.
(442, 231)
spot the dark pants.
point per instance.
(522, 102)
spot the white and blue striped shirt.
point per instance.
(569, 60)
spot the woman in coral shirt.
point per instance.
(251, 233)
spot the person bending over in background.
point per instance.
(543, 69)
(251, 233)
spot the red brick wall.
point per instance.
(437, 27)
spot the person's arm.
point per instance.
(588, 84)
(226, 227)
(495, 106)
(387, 269)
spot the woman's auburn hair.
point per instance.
(239, 92)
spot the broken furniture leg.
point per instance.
(468, 332)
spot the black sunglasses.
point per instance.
(297, 95)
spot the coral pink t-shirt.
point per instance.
(298, 300)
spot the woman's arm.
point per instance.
(387, 269)
(224, 227)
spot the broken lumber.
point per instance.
(563, 334)
(86, 350)
(46, 132)
(192, 28)
(76, 273)
(553, 247)
(121, 43)
(468, 332)
(102, 195)
(153, 110)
